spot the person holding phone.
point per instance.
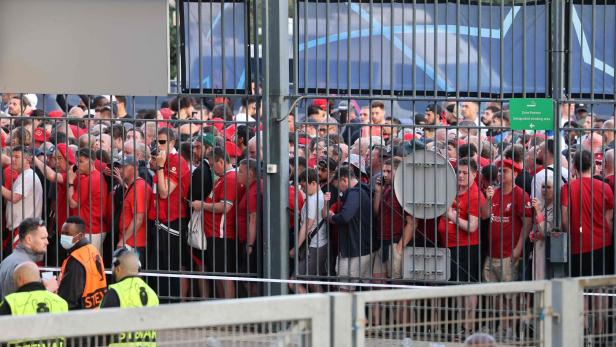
(169, 213)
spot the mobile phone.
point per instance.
(74, 168)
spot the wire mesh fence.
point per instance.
(599, 316)
(513, 316)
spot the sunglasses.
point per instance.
(162, 142)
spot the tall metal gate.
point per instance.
(307, 78)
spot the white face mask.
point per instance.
(66, 241)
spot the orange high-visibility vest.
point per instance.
(96, 282)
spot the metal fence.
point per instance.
(369, 86)
(250, 322)
(543, 313)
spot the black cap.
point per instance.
(420, 118)
(328, 163)
(436, 108)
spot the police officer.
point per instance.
(32, 298)
(130, 291)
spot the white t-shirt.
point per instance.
(242, 117)
(313, 207)
(28, 185)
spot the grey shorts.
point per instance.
(314, 263)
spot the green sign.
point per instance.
(531, 114)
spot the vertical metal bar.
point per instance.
(276, 89)
(327, 92)
(524, 29)
(557, 72)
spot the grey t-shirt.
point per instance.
(312, 210)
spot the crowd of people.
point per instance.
(180, 186)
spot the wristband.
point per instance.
(160, 168)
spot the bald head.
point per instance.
(25, 273)
(126, 264)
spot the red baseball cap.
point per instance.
(56, 114)
(67, 153)
(232, 150)
(41, 135)
(510, 164)
(322, 103)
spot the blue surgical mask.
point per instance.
(66, 241)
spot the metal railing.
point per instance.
(281, 321)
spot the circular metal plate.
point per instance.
(425, 184)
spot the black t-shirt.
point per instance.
(201, 182)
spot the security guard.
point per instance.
(32, 298)
(82, 277)
(130, 291)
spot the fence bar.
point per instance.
(276, 149)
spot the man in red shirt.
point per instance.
(133, 219)
(247, 214)
(247, 220)
(587, 206)
(220, 211)
(87, 191)
(510, 213)
(168, 214)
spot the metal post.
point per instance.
(568, 301)
(557, 70)
(276, 145)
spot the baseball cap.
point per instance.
(343, 106)
(232, 150)
(49, 149)
(327, 163)
(321, 103)
(510, 164)
(420, 118)
(207, 139)
(581, 108)
(66, 152)
(357, 161)
(41, 135)
(434, 108)
(56, 114)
